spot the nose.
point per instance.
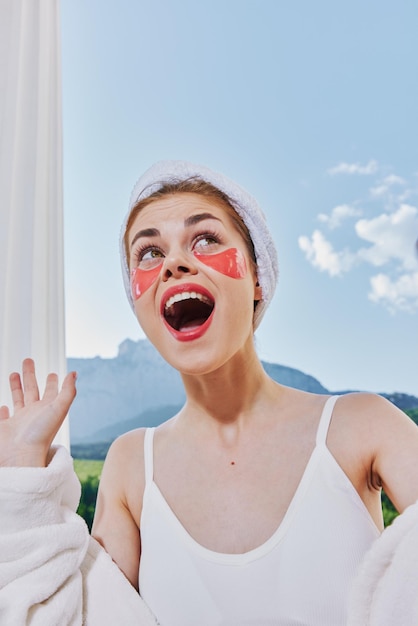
(177, 264)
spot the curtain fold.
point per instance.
(32, 317)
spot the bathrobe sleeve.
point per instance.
(385, 592)
(52, 573)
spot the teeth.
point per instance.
(186, 295)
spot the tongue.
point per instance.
(191, 324)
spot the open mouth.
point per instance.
(188, 310)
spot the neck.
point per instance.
(229, 394)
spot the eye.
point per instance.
(206, 243)
(148, 257)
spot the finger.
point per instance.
(17, 391)
(68, 389)
(51, 388)
(61, 404)
(4, 413)
(30, 385)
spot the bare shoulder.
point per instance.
(126, 450)
(371, 420)
(127, 444)
(364, 400)
(369, 411)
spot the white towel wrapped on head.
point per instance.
(244, 204)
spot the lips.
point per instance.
(187, 311)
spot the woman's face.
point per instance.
(192, 281)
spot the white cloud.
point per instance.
(388, 241)
(321, 254)
(355, 168)
(400, 294)
(393, 179)
(379, 190)
(385, 184)
(392, 236)
(407, 193)
(338, 215)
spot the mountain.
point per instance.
(138, 388)
(116, 390)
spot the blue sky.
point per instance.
(312, 108)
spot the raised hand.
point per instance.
(26, 436)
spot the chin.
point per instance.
(194, 362)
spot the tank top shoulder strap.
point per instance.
(149, 454)
(325, 420)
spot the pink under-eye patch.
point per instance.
(230, 262)
(141, 280)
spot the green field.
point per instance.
(85, 468)
(88, 471)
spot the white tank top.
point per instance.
(300, 576)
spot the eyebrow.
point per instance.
(146, 232)
(199, 217)
(189, 221)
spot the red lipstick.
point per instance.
(187, 311)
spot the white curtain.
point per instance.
(31, 217)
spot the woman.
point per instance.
(256, 503)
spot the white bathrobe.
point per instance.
(52, 573)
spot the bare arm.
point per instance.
(118, 508)
(396, 460)
(376, 445)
